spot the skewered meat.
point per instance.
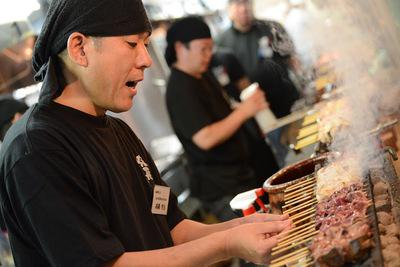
(387, 241)
(344, 229)
(384, 218)
(380, 189)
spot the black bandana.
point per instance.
(90, 17)
(185, 30)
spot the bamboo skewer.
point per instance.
(296, 239)
(300, 214)
(292, 200)
(305, 218)
(293, 238)
(306, 229)
(296, 201)
(299, 251)
(292, 245)
(299, 184)
(300, 193)
(284, 234)
(283, 261)
(302, 206)
(312, 185)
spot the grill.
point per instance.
(293, 191)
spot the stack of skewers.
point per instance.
(330, 228)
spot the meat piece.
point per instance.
(390, 254)
(382, 205)
(381, 197)
(380, 189)
(388, 241)
(392, 230)
(385, 218)
(382, 229)
(393, 263)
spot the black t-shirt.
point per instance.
(76, 190)
(193, 104)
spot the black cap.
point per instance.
(8, 108)
(185, 30)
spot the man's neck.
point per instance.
(182, 68)
(75, 97)
(242, 28)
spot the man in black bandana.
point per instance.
(212, 134)
(77, 186)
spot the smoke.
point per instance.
(365, 39)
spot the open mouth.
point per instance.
(131, 84)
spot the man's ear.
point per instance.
(76, 47)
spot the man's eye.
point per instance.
(132, 44)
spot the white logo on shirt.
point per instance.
(145, 168)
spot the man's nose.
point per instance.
(144, 59)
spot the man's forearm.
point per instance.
(201, 252)
(218, 132)
(189, 230)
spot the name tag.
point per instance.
(160, 200)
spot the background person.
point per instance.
(77, 187)
(212, 134)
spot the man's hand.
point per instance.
(254, 241)
(253, 104)
(263, 217)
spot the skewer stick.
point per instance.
(306, 187)
(309, 262)
(302, 197)
(300, 184)
(292, 245)
(304, 219)
(284, 261)
(299, 251)
(297, 239)
(301, 193)
(293, 236)
(294, 229)
(305, 229)
(291, 260)
(300, 214)
(302, 206)
(299, 190)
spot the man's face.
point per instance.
(241, 13)
(115, 66)
(198, 55)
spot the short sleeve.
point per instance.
(53, 204)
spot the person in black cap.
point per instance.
(11, 111)
(219, 153)
(77, 187)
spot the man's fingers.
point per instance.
(264, 217)
(274, 226)
(275, 217)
